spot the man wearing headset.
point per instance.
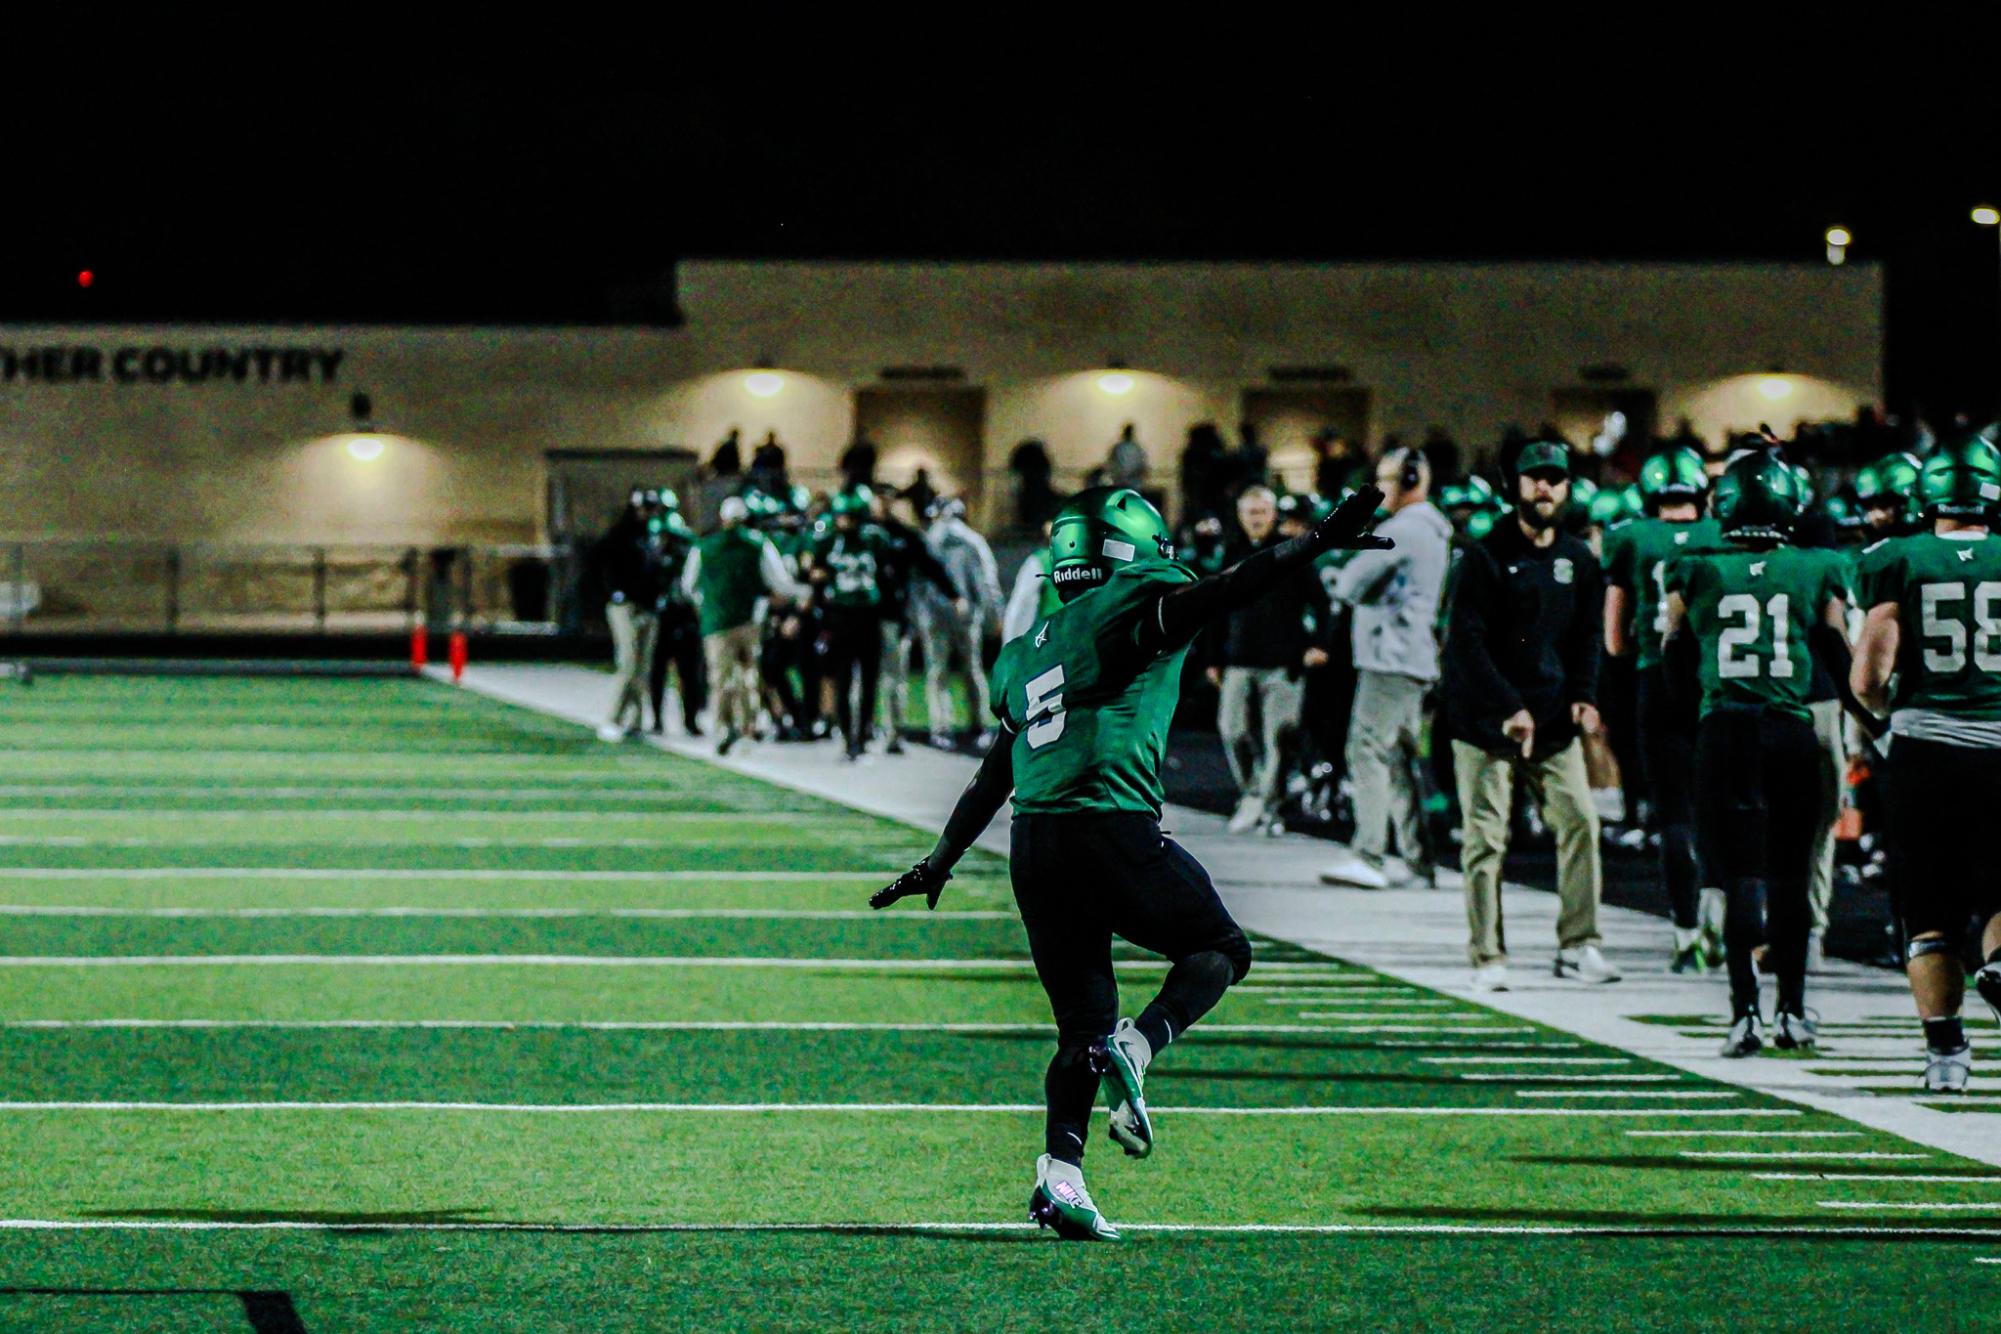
(1395, 596)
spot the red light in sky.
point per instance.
(85, 278)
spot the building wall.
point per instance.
(468, 413)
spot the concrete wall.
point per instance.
(468, 413)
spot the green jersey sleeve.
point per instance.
(1618, 559)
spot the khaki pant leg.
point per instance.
(1233, 721)
(1827, 730)
(743, 644)
(645, 643)
(1486, 797)
(1371, 753)
(1406, 796)
(1280, 699)
(1563, 790)
(624, 658)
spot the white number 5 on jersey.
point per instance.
(1044, 711)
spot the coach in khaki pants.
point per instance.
(1520, 680)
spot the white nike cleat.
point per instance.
(1061, 1201)
(1745, 1039)
(1585, 964)
(1250, 811)
(1355, 873)
(1124, 1058)
(611, 732)
(1948, 1071)
(1490, 977)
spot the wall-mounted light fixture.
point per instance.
(1115, 380)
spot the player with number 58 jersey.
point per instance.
(1084, 700)
(1754, 615)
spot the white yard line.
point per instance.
(562, 961)
(988, 1226)
(607, 1025)
(226, 814)
(1796, 1155)
(1749, 1134)
(811, 914)
(1902, 1206)
(1629, 1093)
(571, 1109)
(1518, 1077)
(1874, 1176)
(410, 873)
(1473, 1020)
(1527, 1060)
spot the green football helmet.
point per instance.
(1673, 477)
(1758, 498)
(1891, 483)
(1805, 479)
(1962, 480)
(856, 501)
(1842, 512)
(1100, 530)
(1610, 508)
(668, 500)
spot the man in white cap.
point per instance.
(729, 575)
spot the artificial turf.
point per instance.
(425, 1012)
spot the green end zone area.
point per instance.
(425, 1012)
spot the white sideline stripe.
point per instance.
(407, 873)
(1473, 1020)
(205, 841)
(1747, 1134)
(79, 1105)
(1791, 1155)
(815, 914)
(1527, 1060)
(786, 815)
(1872, 1176)
(1629, 1093)
(1333, 986)
(1573, 1079)
(571, 961)
(610, 1025)
(1482, 1046)
(983, 1226)
(1901, 1204)
(1423, 1028)
(1987, 1259)
(597, 788)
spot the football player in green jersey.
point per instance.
(1931, 655)
(1674, 486)
(1757, 615)
(1888, 492)
(1084, 701)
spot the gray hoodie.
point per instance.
(1395, 594)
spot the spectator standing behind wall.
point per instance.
(957, 629)
(1126, 465)
(1260, 665)
(627, 566)
(1395, 596)
(1520, 680)
(729, 574)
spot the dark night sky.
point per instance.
(565, 197)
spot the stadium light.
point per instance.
(1987, 215)
(764, 384)
(365, 448)
(1775, 387)
(1116, 383)
(1840, 237)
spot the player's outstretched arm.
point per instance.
(1179, 616)
(978, 805)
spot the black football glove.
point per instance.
(1343, 529)
(922, 878)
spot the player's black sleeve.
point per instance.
(1177, 617)
(923, 562)
(992, 784)
(1681, 662)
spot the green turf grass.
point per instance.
(265, 812)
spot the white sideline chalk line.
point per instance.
(613, 1025)
(818, 914)
(534, 961)
(1300, 1229)
(407, 873)
(1874, 1176)
(1472, 1020)
(1795, 1155)
(572, 1109)
(1902, 1205)
(204, 841)
(785, 816)
(596, 788)
(1747, 1134)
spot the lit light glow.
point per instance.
(1116, 383)
(1775, 387)
(365, 448)
(763, 384)
(1987, 216)
(85, 278)
(1840, 237)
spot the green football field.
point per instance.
(363, 1004)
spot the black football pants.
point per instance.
(1667, 757)
(1081, 879)
(854, 645)
(680, 639)
(1760, 799)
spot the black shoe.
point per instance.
(729, 739)
(659, 729)
(1988, 983)
(895, 746)
(1744, 1039)
(692, 728)
(1796, 1032)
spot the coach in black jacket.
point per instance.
(1520, 680)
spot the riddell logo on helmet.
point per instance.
(1077, 574)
